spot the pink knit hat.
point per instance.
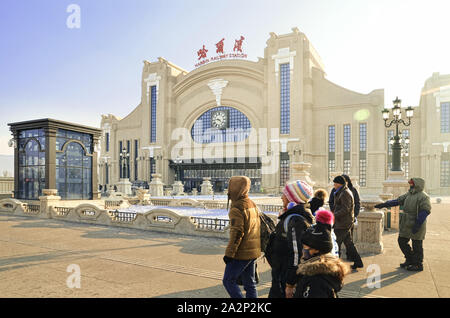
(298, 191)
(325, 217)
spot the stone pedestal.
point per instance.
(178, 188)
(143, 197)
(156, 186)
(49, 199)
(124, 186)
(194, 191)
(395, 185)
(207, 188)
(368, 234)
(299, 171)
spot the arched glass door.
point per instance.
(74, 172)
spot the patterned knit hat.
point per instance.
(298, 191)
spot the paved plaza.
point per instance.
(35, 255)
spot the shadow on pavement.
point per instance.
(219, 291)
(361, 286)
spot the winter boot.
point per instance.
(357, 264)
(406, 263)
(415, 267)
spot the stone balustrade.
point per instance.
(367, 234)
(6, 187)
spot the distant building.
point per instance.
(52, 154)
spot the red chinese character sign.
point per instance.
(219, 46)
(221, 54)
(238, 44)
(202, 53)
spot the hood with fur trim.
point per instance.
(332, 268)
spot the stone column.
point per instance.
(95, 193)
(50, 158)
(16, 164)
(156, 186)
(49, 199)
(178, 188)
(207, 188)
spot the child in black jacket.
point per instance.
(321, 274)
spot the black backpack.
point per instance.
(267, 230)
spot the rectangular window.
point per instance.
(362, 154)
(136, 153)
(445, 117)
(285, 98)
(445, 169)
(347, 144)
(331, 150)
(106, 174)
(107, 141)
(153, 114)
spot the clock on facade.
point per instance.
(219, 119)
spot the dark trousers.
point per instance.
(245, 269)
(278, 288)
(345, 236)
(413, 255)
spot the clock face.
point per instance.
(219, 119)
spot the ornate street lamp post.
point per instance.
(397, 120)
(124, 156)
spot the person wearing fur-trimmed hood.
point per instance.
(320, 274)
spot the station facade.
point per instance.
(256, 118)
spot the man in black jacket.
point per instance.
(344, 217)
(357, 202)
(288, 234)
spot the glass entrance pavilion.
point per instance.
(52, 154)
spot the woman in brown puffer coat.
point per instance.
(244, 246)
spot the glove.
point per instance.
(387, 204)
(227, 259)
(422, 216)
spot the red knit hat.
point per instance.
(325, 217)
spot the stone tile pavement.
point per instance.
(115, 262)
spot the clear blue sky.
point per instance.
(49, 70)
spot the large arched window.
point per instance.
(31, 164)
(74, 171)
(221, 124)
